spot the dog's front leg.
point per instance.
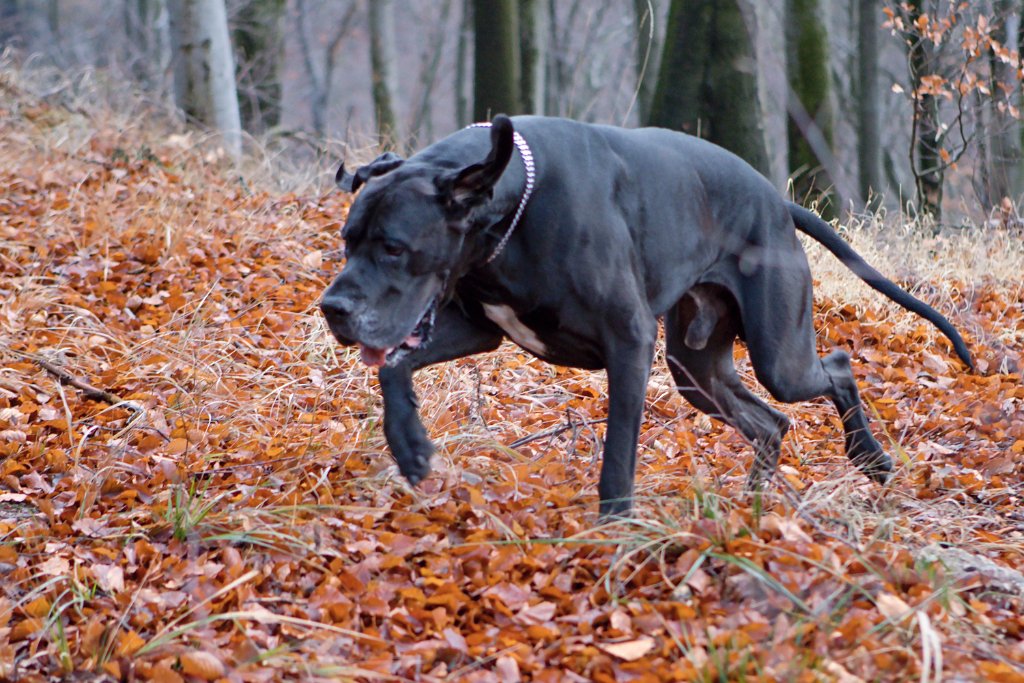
(629, 368)
(454, 336)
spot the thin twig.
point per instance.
(555, 431)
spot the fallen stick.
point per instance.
(88, 390)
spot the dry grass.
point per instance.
(938, 268)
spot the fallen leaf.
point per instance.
(163, 673)
(786, 527)
(40, 607)
(507, 669)
(455, 640)
(109, 577)
(540, 613)
(840, 673)
(54, 566)
(891, 607)
(314, 259)
(204, 665)
(630, 650)
(25, 628)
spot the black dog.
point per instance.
(574, 252)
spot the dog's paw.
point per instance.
(868, 456)
(761, 471)
(615, 510)
(412, 449)
(758, 479)
(414, 463)
(876, 465)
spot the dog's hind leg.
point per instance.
(861, 447)
(703, 369)
(454, 336)
(781, 342)
(829, 376)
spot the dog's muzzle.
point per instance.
(339, 313)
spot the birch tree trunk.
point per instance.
(204, 68)
(1020, 97)
(382, 64)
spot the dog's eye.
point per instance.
(393, 249)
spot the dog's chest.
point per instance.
(505, 318)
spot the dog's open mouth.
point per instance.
(419, 336)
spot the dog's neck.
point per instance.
(531, 177)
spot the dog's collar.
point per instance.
(531, 176)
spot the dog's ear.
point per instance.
(350, 182)
(474, 184)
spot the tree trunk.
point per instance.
(556, 76)
(678, 102)
(10, 23)
(1005, 148)
(204, 69)
(148, 41)
(643, 20)
(53, 17)
(258, 37)
(869, 122)
(533, 32)
(925, 161)
(422, 129)
(706, 81)
(320, 74)
(982, 180)
(462, 109)
(496, 58)
(382, 63)
(810, 111)
(1020, 100)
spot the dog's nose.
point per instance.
(337, 306)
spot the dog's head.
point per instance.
(405, 239)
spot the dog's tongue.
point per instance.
(373, 357)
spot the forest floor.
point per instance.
(228, 508)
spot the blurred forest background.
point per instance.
(859, 103)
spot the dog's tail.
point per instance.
(810, 224)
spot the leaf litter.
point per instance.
(228, 510)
